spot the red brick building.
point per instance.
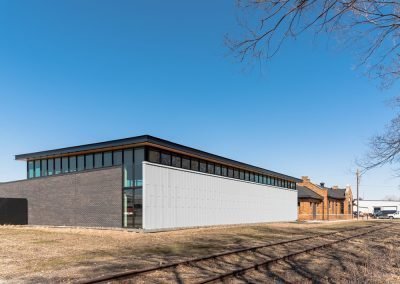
(317, 202)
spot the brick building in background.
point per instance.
(317, 202)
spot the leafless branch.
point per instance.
(372, 27)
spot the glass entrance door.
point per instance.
(128, 208)
(132, 208)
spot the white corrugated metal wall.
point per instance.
(175, 198)
(367, 206)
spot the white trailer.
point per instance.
(373, 206)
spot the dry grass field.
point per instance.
(37, 254)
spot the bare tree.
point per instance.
(369, 26)
(384, 147)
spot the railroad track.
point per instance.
(136, 275)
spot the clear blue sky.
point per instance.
(74, 72)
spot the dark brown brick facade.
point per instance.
(92, 198)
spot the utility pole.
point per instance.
(358, 199)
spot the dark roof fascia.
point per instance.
(153, 140)
(85, 147)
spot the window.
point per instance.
(50, 167)
(89, 161)
(185, 163)
(57, 166)
(341, 207)
(165, 159)
(44, 168)
(241, 174)
(30, 169)
(98, 160)
(64, 164)
(203, 166)
(117, 158)
(154, 156)
(224, 171)
(264, 180)
(230, 172)
(256, 178)
(81, 163)
(107, 159)
(246, 176)
(72, 164)
(217, 169)
(128, 168)
(194, 165)
(210, 168)
(137, 207)
(269, 181)
(252, 177)
(37, 168)
(236, 173)
(138, 162)
(176, 161)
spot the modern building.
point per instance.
(148, 183)
(317, 202)
(374, 206)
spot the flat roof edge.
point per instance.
(148, 139)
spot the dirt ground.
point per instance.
(37, 254)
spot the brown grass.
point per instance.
(40, 254)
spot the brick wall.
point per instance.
(328, 209)
(335, 212)
(92, 198)
(323, 207)
(305, 209)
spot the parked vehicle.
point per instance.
(384, 214)
(377, 214)
(394, 215)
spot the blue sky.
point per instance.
(74, 72)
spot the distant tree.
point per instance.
(371, 27)
(392, 198)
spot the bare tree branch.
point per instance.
(384, 148)
(371, 26)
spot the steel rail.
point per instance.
(241, 271)
(136, 272)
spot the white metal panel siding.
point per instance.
(175, 198)
(367, 206)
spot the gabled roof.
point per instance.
(304, 192)
(150, 141)
(338, 193)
